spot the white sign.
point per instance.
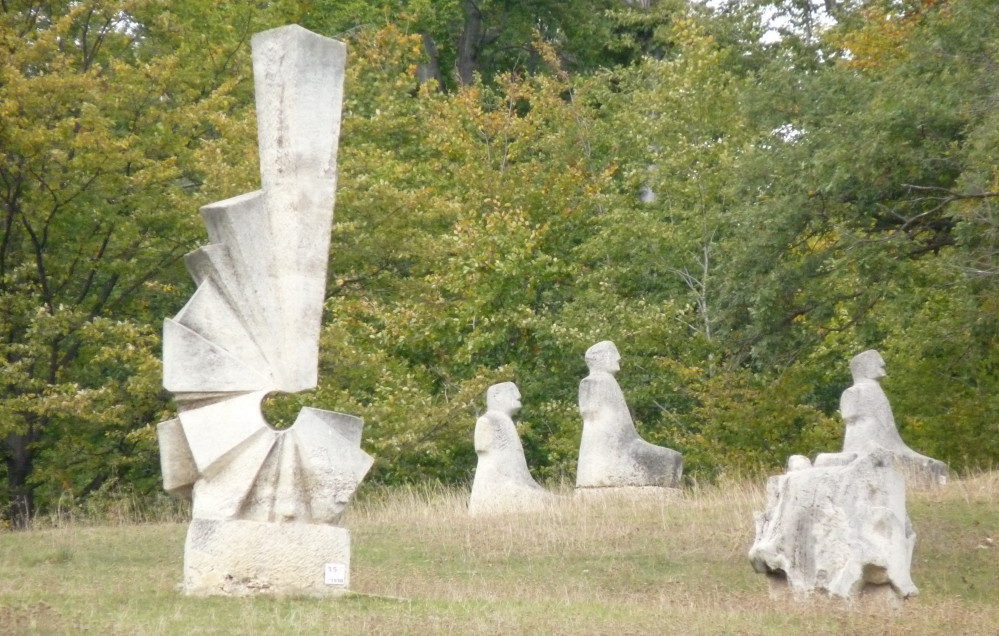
(336, 574)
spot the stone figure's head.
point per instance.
(503, 397)
(868, 365)
(603, 356)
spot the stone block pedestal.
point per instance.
(637, 493)
(245, 558)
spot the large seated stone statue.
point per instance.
(839, 527)
(266, 502)
(871, 425)
(502, 481)
(611, 454)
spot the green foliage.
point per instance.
(461, 40)
(739, 216)
(467, 226)
(867, 209)
(117, 119)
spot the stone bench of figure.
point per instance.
(870, 424)
(613, 458)
(503, 483)
(838, 528)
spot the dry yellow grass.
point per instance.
(422, 566)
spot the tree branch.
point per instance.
(39, 249)
(93, 270)
(946, 197)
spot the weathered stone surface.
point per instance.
(611, 453)
(870, 423)
(263, 280)
(252, 328)
(177, 463)
(245, 558)
(839, 527)
(502, 482)
(248, 470)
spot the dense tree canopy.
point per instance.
(741, 197)
(117, 119)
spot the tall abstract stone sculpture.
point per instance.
(265, 501)
(611, 454)
(839, 527)
(502, 480)
(870, 424)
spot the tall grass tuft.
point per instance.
(113, 505)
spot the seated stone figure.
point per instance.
(611, 454)
(502, 481)
(870, 423)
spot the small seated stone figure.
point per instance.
(870, 423)
(502, 482)
(611, 454)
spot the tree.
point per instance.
(861, 203)
(740, 214)
(118, 120)
(466, 39)
(445, 260)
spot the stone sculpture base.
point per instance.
(839, 527)
(872, 597)
(246, 558)
(626, 492)
(922, 472)
(510, 501)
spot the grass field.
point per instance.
(421, 566)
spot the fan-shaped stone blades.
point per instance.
(252, 327)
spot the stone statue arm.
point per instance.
(860, 422)
(865, 404)
(484, 435)
(850, 406)
(592, 398)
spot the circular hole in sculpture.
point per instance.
(281, 409)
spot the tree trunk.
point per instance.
(431, 70)
(470, 43)
(20, 462)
